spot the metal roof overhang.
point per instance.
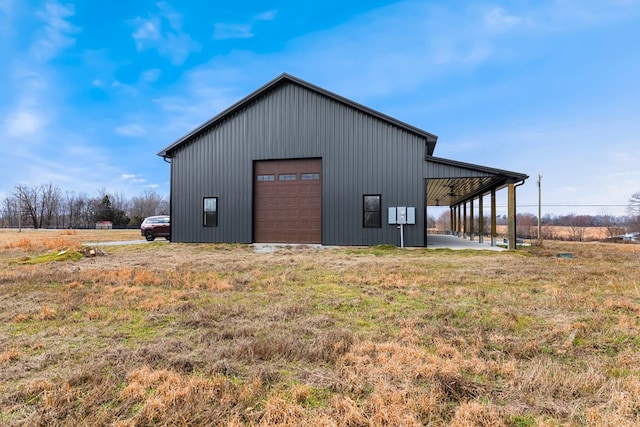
(458, 182)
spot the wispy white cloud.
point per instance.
(204, 92)
(500, 20)
(185, 112)
(24, 121)
(123, 88)
(224, 31)
(572, 175)
(398, 48)
(567, 15)
(269, 15)
(148, 32)
(73, 165)
(133, 178)
(27, 116)
(29, 110)
(131, 129)
(163, 32)
(6, 6)
(151, 76)
(57, 32)
(6, 15)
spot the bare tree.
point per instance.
(73, 210)
(39, 202)
(147, 204)
(613, 227)
(85, 209)
(443, 222)
(634, 204)
(28, 199)
(527, 225)
(50, 205)
(10, 212)
(119, 202)
(634, 211)
(577, 226)
(548, 232)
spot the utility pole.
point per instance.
(539, 208)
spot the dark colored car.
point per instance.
(156, 226)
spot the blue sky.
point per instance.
(92, 91)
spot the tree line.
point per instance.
(527, 223)
(47, 206)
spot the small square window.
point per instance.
(266, 178)
(287, 177)
(371, 207)
(309, 176)
(210, 211)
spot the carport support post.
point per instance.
(471, 220)
(494, 228)
(480, 220)
(459, 223)
(452, 219)
(511, 215)
(464, 226)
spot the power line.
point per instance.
(570, 205)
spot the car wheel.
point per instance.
(149, 235)
(168, 237)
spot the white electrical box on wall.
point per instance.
(411, 215)
(392, 215)
(402, 215)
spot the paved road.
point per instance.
(437, 241)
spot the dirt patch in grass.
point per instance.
(173, 334)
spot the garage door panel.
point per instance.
(290, 210)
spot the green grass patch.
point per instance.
(57, 256)
(523, 421)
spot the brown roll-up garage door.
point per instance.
(288, 201)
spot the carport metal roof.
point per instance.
(450, 182)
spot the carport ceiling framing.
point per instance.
(451, 191)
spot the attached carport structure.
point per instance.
(458, 184)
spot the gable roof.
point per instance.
(284, 78)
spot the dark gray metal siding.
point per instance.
(360, 155)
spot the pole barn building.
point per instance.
(295, 163)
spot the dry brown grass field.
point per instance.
(559, 232)
(191, 334)
(51, 238)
